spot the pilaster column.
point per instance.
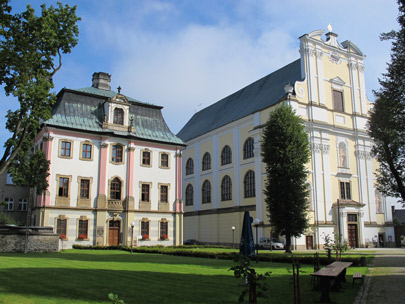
(130, 177)
(102, 180)
(47, 147)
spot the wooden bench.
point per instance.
(334, 273)
(357, 276)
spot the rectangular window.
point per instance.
(85, 188)
(345, 192)
(22, 205)
(117, 154)
(163, 194)
(63, 187)
(86, 151)
(146, 158)
(338, 101)
(10, 204)
(164, 160)
(145, 230)
(164, 230)
(61, 225)
(83, 229)
(9, 179)
(145, 193)
(65, 148)
(352, 218)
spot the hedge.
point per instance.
(185, 251)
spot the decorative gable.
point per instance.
(117, 115)
(337, 83)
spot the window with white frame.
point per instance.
(10, 204)
(345, 191)
(22, 205)
(9, 179)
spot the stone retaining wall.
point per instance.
(40, 239)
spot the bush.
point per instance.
(185, 251)
(5, 219)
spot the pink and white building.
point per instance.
(115, 170)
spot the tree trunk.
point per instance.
(288, 243)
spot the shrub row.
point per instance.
(185, 251)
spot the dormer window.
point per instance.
(118, 116)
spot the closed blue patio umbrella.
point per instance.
(247, 246)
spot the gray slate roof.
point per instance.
(255, 97)
(83, 110)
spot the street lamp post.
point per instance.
(132, 235)
(233, 237)
(256, 223)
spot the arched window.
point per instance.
(189, 166)
(249, 184)
(226, 188)
(206, 161)
(115, 189)
(226, 155)
(248, 148)
(206, 192)
(189, 195)
(342, 155)
(118, 116)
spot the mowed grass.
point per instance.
(84, 276)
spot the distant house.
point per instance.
(223, 173)
(115, 170)
(15, 199)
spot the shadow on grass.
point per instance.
(132, 286)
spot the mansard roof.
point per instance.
(83, 110)
(257, 96)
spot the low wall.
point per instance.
(40, 239)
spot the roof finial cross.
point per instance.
(119, 90)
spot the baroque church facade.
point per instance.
(223, 172)
(115, 170)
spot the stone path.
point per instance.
(386, 281)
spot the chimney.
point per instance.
(101, 81)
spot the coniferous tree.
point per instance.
(285, 151)
(387, 119)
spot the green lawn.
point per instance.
(84, 276)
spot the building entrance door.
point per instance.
(114, 233)
(352, 231)
(309, 242)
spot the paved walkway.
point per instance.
(386, 281)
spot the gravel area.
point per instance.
(386, 281)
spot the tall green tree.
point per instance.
(31, 49)
(285, 151)
(387, 119)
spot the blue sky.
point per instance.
(185, 55)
